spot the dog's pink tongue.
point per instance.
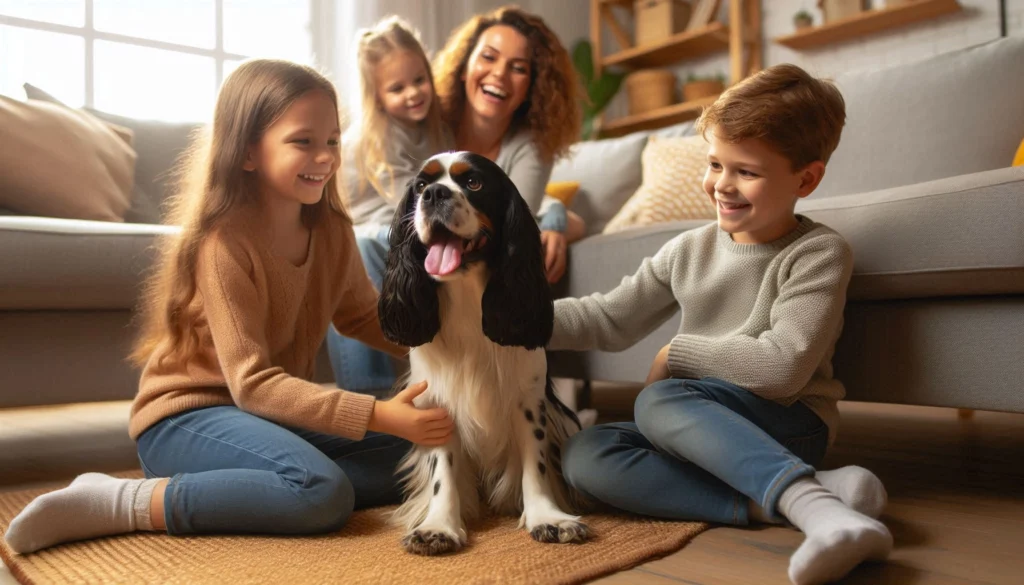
(443, 257)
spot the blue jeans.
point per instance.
(232, 472)
(699, 450)
(357, 366)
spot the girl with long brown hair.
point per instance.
(232, 436)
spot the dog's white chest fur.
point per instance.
(481, 383)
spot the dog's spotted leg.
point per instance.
(542, 517)
(442, 529)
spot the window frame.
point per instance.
(320, 31)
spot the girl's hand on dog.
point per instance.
(400, 417)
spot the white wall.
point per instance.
(977, 23)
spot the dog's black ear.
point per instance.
(408, 305)
(517, 305)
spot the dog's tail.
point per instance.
(564, 424)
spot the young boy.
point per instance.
(741, 405)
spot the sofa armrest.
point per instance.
(959, 236)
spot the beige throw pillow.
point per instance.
(61, 162)
(670, 190)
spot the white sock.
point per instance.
(857, 487)
(838, 538)
(93, 505)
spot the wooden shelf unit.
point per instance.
(656, 118)
(740, 38)
(690, 44)
(869, 21)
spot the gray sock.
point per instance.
(93, 505)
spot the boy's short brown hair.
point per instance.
(799, 116)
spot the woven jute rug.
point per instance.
(367, 551)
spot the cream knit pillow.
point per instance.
(670, 190)
(60, 162)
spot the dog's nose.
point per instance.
(436, 194)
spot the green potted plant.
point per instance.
(802, 20)
(702, 86)
(598, 91)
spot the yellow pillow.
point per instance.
(1018, 159)
(670, 189)
(564, 191)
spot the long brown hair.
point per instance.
(551, 110)
(212, 183)
(387, 36)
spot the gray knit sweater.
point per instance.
(765, 317)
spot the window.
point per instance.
(157, 59)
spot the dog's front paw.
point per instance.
(566, 531)
(430, 542)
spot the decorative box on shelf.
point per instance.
(657, 20)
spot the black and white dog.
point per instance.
(465, 288)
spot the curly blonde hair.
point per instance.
(551, 110)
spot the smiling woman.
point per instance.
(508, 90)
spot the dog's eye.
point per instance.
(474, 184)
(420, 186)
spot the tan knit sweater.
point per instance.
(765, 317)
(264, 320)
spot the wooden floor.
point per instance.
(956, 504)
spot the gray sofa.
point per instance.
(918, 186)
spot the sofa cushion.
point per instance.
(956, 236)
(953, 114)
(671, 190)
(680, 130)
(72, 264)
(158, 145)
(608, 172)
(60, 162)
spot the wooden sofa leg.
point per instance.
(964, 413)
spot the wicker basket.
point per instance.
(650, 89)
(696, 90)
(839, 9)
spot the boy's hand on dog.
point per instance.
(659, 369)
(400, 417)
